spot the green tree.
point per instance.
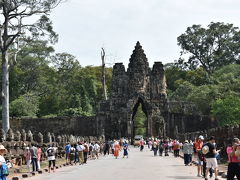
(227, 110)
(211, 47)
(12, 26)
(140, 121)
(24, 106)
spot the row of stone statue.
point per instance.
(222, 134)
(28, 136)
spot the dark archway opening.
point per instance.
(139, 119)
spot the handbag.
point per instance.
(4, 170)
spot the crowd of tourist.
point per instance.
(205, 153)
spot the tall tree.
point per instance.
(103, 74)
(211, 47)
(13, 24)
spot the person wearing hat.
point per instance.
(3, 165)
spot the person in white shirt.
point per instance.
(80, 149)
(51, 158)
(96, 149)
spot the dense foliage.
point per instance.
(211, 94)
(46, 84)
(208, 72)
(140, 121)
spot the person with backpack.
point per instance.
(209, 151)
(85, 152)
(51, 158)
(125, 149)
(3, 166)
(161, 147)
(72, 155)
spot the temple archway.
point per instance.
(139, 123)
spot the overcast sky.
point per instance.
(84, 26)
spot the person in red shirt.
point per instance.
(234, 160)
(198, 147)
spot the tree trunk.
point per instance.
(5, 92)
(103, 75)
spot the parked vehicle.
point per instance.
(137, 140)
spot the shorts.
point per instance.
(211, 163)
(50, 162)
(199, 162)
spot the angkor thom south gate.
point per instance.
(139, 84)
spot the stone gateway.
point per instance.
(138, 85)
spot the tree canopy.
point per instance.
(210, 48)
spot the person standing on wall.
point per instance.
(34, 157)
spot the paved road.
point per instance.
(139, 166)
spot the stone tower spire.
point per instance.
(138, 56)
(138, 71)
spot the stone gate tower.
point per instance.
(139, 84)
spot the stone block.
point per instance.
(224, 175)
(17, 170)
(25, 176)
(16, 178)
(220, 173)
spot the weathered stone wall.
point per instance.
(224, 135)
(181, 123)
(80, 126)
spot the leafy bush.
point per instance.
(24, 106)
(74, 112)
(227, 110)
